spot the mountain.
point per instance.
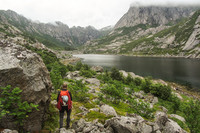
(147, 36)
(153, 15)
(51, 34)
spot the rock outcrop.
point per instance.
(90, 127)
(108, 110)
(22, 68)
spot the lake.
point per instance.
(180, 70)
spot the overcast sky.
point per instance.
(98, 13)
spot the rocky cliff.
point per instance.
(153, 15)
(22, 68)
(51, 34)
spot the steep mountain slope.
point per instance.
(57, 34)
(151, 38)
(182, 39)
(153, 15)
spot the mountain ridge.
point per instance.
(59, 33)
(151, 40)
(152, 15)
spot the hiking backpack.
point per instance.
(64, 97)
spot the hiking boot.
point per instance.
(67, 127)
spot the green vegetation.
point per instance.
(5, 29)
(121, 32)
(12, 105)
(55, 67)
(191, 112)
(93, 115)
(79, 91)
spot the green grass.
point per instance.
(93, 115)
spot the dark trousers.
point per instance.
(62, 111)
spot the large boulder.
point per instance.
(167, 125)
(22, 68)
(124, 124)
(136, 124)
(108, 110)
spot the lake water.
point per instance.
(181, 70)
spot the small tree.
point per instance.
(11, 104)
(79, 65)
(115, 74)
(160, 90)
(129, 79)
(146, 85)
(138, 81)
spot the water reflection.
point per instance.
(171, 69)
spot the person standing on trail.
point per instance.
(64, 103)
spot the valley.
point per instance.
(112, 93)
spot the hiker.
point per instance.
(64, 103)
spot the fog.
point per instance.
(98, 13)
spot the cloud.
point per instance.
(165, 3)
(98, 13)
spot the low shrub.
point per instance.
(145, 85)
(115, 90)
(12, 105)
(116, 75)
(160, 90)
(78, 90)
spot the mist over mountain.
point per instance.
(51, 34)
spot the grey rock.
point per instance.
(178, 95)
(164, 109)
(139, 94)
(72, 75)
(85, 111)
(124, 73)
(94, 109)
(9, 131)
(89, 127)
(167, 125)
(155, 100)
(54, 102)
(64, 130)
(108, 110)
(172, 127)
(22, 68)
(134, 76)
(79, 125)
(93, 81)
(97, 68)
(178, 117)
(127, 125)
(193, 40)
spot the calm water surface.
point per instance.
(179, 70)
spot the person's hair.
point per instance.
(64, 85)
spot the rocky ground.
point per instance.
(31, 69)
(128, 123)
